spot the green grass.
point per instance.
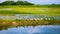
(30, 10)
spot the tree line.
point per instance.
(26, 3)
(16, 3)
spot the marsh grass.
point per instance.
(30, 10)
(28, 22)
(5, 24)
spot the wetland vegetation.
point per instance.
(14, 14)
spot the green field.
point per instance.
(30, 10)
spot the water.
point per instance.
(27, 16)
(51, 29)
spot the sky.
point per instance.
(40, 1)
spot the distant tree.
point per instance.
(27, 3)
(24, 3)
(9, 3)
(0, 3)
(19, 2)
(53, 4)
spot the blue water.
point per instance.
(51, 29)
(27, 16)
